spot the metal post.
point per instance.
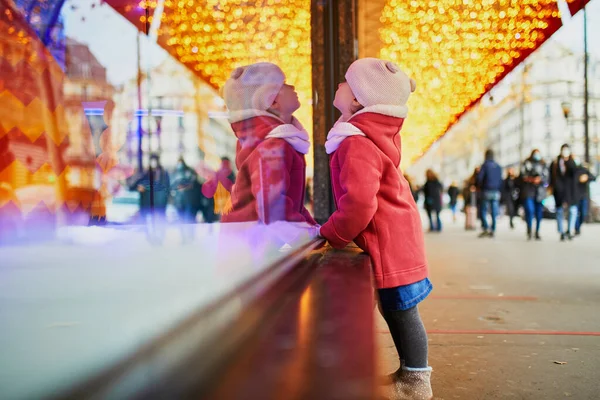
(586, 119)
(149, 120)
(140, 161)
(522, 116)
(334, 33)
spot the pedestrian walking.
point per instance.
(583, 178)
(413, 189)
(453, 193)
(154, 188)
(186, 192)
(471, 208)
(432, 191)
(562, 182)
(510, 195)
(490, 182)
(534, 175)
(476, 196)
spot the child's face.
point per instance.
(286, 101)
(344, 99)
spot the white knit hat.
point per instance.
(253, 86)
(374, 81)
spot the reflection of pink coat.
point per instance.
(271, 176)
(375, 207)
(209, 187)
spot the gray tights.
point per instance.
(409, 336)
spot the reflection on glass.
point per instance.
(271, 146)
(101, 124)
(96, 98)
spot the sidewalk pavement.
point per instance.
(508, 318)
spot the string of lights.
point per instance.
(457, 50)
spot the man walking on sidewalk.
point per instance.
(489, 180)
(562, 181)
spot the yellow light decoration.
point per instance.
(215, 38)
(457, 50)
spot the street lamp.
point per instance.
(566, 108)
(158, 119)
(181, 131)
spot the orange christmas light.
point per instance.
(457, 50)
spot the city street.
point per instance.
(511, 319)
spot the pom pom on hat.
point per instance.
(253, 86)
(374, 81)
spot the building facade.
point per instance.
(86, 87)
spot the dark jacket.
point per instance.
(186, 189)
(562, 181)
(582, 189)
(415, 193)
(469, 197)
(533, 169)
(510, 190)
(453, 194)
(432, 190)
(161, 185)
(490, 177)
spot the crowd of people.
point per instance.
(189, 192)
(566, 179)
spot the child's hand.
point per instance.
(315, 231)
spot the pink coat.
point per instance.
(271, 180)
(375, 207)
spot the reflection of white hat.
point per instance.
(253, 86)
(374, 81)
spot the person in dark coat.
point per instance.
(475, 193)
(453, 193)
(489, 180)
(186, 191)
(510, 195)
(157, 178)
(469, 194)
(432, 190)
(534, 177)
(562, 181)
(583, 177)
(413, 190)
(308, 196)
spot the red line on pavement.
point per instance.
(506, 332)
(482, 297)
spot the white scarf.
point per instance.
(294, 134)
(342, 130)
